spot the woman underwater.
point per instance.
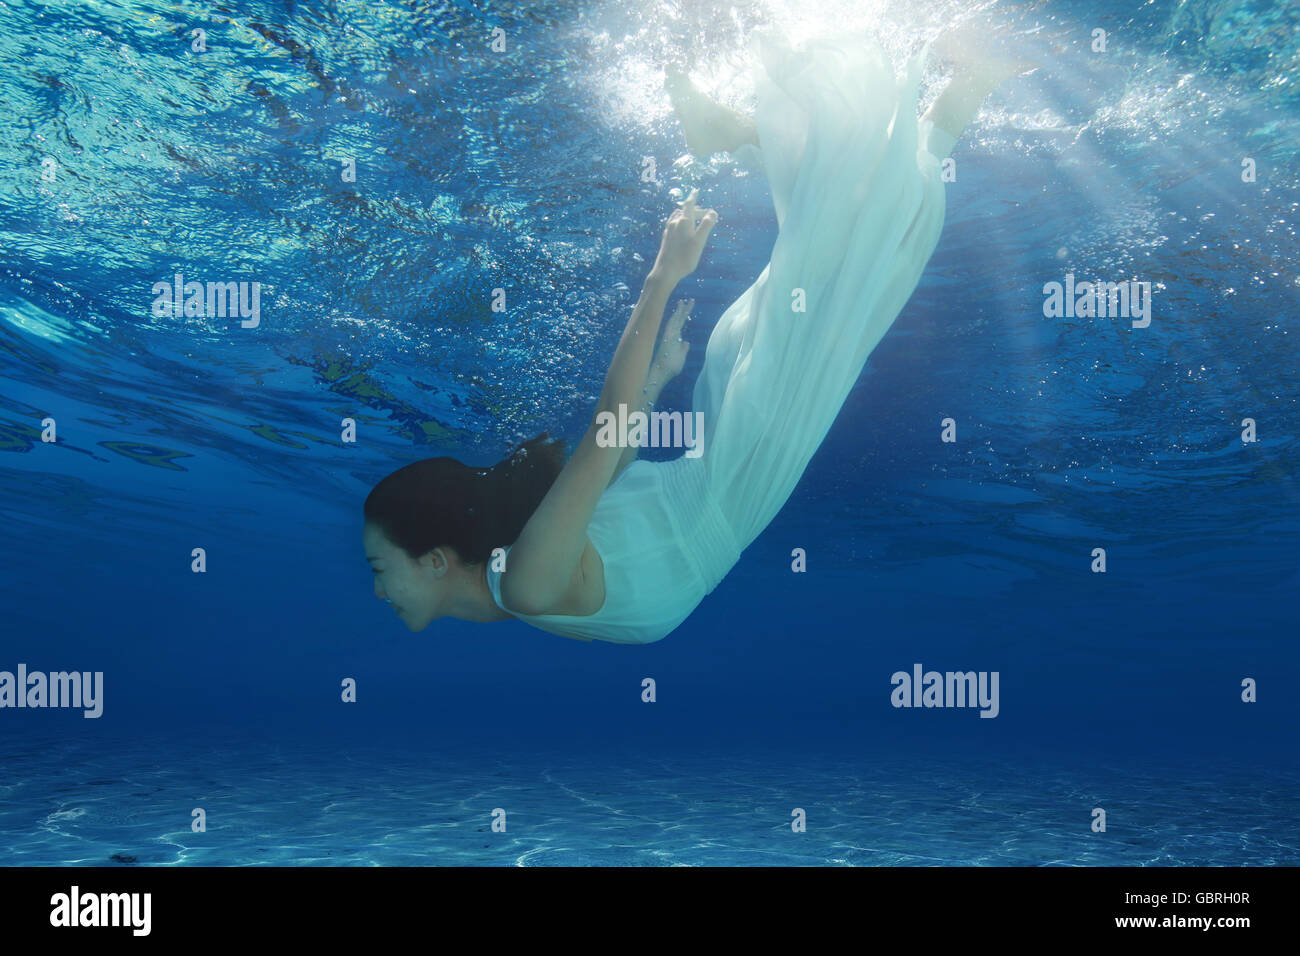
(607, 547)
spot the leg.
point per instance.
(710, 127)
(975, 76)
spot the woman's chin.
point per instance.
(411, 623)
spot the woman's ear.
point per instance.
(445, 559)
(438, 560)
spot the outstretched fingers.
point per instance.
(707, 222)
(689, 210)
(688, 204)
(684, 238)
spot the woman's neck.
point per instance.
(476, 602)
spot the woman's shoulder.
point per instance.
(584, 597)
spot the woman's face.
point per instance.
(414, 588)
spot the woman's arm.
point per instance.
(545, 561)
(669, 360)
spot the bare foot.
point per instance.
(709, 127)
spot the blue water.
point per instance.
(477, 170)
(358, 805)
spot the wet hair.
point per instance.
(440, 502)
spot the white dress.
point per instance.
(859, 200)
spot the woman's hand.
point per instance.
(670, 358)
(683, 240)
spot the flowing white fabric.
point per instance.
(856, 184)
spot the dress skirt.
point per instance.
(859, 200)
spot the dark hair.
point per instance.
(440, 502)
